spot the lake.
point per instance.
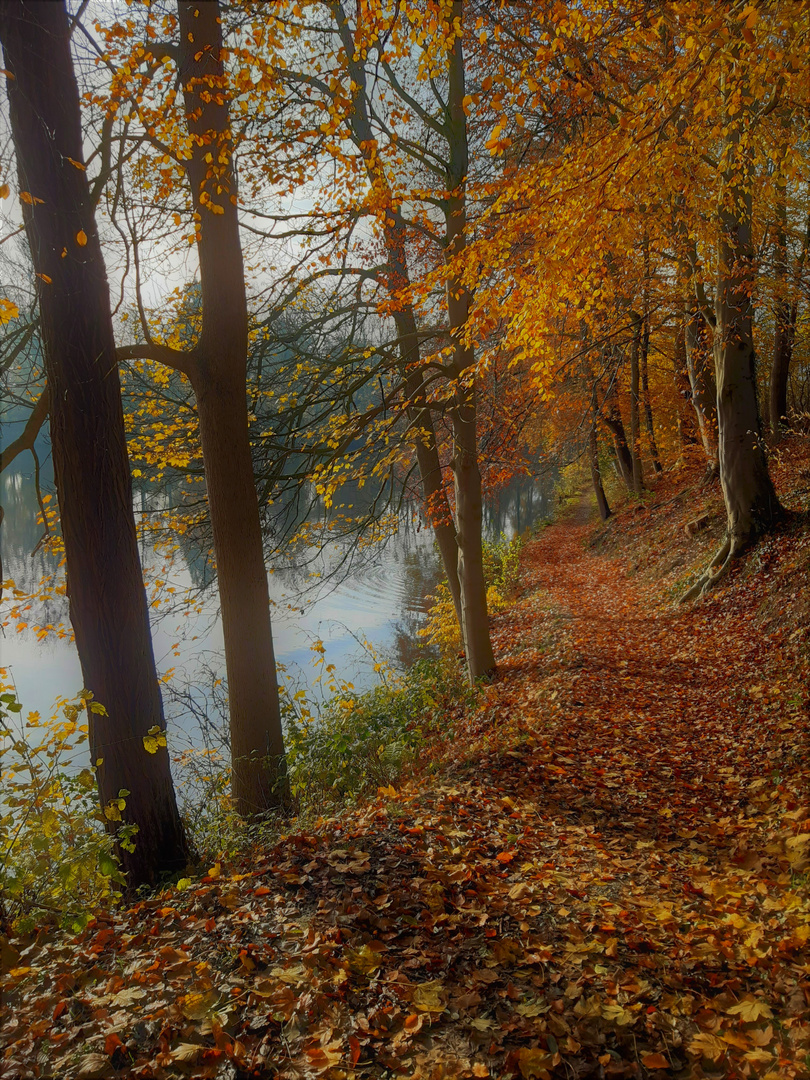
(376, 600)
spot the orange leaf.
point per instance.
(654, 1061)
(262, 891)
(81, 237)
(505, 856)
(111, 1044)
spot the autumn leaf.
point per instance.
(8, 311)
(655, 1061)
(751, 1009)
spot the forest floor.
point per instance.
(604, 874)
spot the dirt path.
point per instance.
(603, 875)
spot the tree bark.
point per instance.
(612, 419)
(394, 229)
(635, 433)
(751, 503)
(108, 606)
(466, 473)
(644, 363)
(700, 366)
(219, 377)
(596, 476)
(686, 420)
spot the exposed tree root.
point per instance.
(718, 568)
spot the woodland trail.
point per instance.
(603, 874)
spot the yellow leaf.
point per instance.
(8, 311)
(708, 1046)
(197, 1006)
(750, 1010)
(81, 238)
(4, 191)
(427, 997)
(533, 1062)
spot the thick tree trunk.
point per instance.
(219, 376)
(108, 607)
(751, 503)
(635, 426)
(466, 473)
(596, 476)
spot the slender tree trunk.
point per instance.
(596, 476)
(644, 363)
(635, 433)
(687, 435)
(219, 379)
(782, 345)
(785, 315)
(108, 607)
(751, 503)
(612, 419)
(423, 430)
(394, 231)
(467, 477)
(700, 365)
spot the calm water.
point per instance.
(379, 597)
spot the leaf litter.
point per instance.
(603, 875)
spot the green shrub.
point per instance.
(502, 564)
(57, 859)
(361, 742)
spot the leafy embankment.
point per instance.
(606, 875)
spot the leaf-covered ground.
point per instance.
(605, 874)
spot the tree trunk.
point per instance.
(700, 365)
(635, 434)
(751, 503)
(645, 395)
(437, 507)
(434, 495)
(108, 606)
(644, 363)
(687, 435)
(612, 418)
(596, 476)
(785, 314)
(219, 377)
(467, 476)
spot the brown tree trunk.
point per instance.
(751, 503)
(612, 419)
(687, 434)
(635, 426)
(785, 315)
(644, 363)
(219, 377)
(596, 476)
(467, 477)
(700, 365)
(437, 507)
(645, 396)
(108, 607)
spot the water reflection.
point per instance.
(337, 594)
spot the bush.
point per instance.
(57, 859)
(502, 575)
(361, 742)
